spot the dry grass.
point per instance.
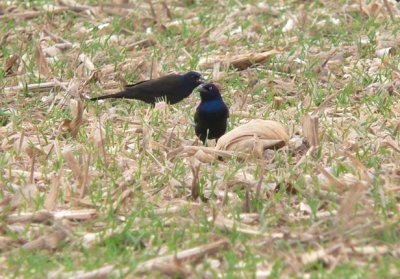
(119, 188)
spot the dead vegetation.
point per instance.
(312, 190)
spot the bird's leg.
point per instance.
(206, 141)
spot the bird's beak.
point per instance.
(201, 89)
(202, 79)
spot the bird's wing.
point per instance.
(196, 116)
(226, 111)
(137, 83)
(155, 87)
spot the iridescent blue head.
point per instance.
(193, 78)
(209, 92)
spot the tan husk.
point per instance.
(254, 137)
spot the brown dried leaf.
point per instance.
(203, 157)
(52, 51)
(174, 269)
(37, 87)
(87, 63)
(7, 243)
(244, 61)
(120, 2)
(195, 168)
(26, 193)
(230, 225)
(72, 126)
(254, 137)
(186, 151)
(147, 138)
(179, 23)
(28, 145)
(73, 5)
(95, 135)
(188, 255)
(353, 196)
(240, 62)
(364, 172)
(141, 44)
(388, 51)
(373, 9)
(73, 164)
(41, 61)
(332, 181)
(49, 241)
(121, 200)
(310, 129)
(392, 144)
(320, 254)
(11, 65)
(51, 198)
(36, 217)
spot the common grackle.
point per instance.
(211, 115)
(172, 88)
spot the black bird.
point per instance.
(211, 115)
(172, 88)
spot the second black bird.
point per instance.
(211, 115)
(171, 88)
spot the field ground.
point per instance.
(114, 188)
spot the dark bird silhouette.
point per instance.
(171, 88)
(211, 115)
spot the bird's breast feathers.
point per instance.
(212, 106)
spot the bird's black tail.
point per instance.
(122, 94)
